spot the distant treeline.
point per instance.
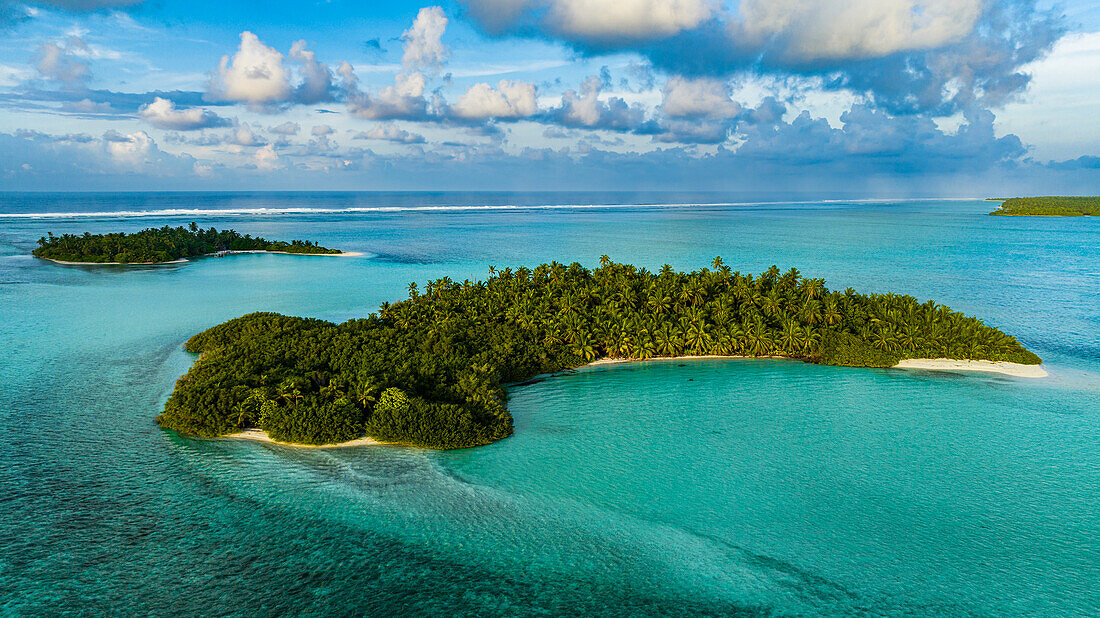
(431, 370)
(1052, 206)
(156, 245)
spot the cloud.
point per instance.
(316, 78)
(802, 30)
(254, 75)
(133, 149)
(872, 139)
(587, 110)
(373, 46)
(287, 128)
(509, 100)
(162, 113)
(12, 12)
(200, 139)
(911, 56)
(266, 158)
(698, 98)
(871, 155)
(244, 136)
(81, 100)
(257, 75)
(388, 131)
(87, 107)
(322, 129)
(424, 47)
(594, 21)
(404, 100)
(63, 63)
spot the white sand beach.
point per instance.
(259, 435)
(949, 364)
(344, 254)
(616, 361)
(929, 364)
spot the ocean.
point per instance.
(716, 487)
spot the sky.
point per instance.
(836, 97)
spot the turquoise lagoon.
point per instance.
(662, 488)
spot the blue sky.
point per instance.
(868, 97)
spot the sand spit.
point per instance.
(259, 435)
(950, 364)
(929, 364)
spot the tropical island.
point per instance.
(1050, 206)
(162, 246)
(433, 370)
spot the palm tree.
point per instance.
(697, 339)
(790, 338)
(667, 340)
(366, 391)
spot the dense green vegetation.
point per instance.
(156, 245)
(431, 370)
(1052, 206)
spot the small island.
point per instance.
(1050, 206)
(165, 245)
(432, 371)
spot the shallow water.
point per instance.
(703, 487)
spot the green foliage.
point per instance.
(848, 350)
(331, 422)
(157, 245)
(431, 371)
(1051, 206)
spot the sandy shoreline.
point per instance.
(950, 364)
(183, 260)
(259, 435)
(179, 261)
(618, 361)
(344, 254)
(929, 364)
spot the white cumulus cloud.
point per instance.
(586, 109)
(254, 75)
(390, 132)
(510, 99)
(162, 113)
(424, 46)
(830, 29)
(595, 20)
(316, 79)
(698, 98)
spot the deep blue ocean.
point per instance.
(664, 488)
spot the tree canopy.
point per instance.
(1051, 206)
(158, 245)
(432, 370)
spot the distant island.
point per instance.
(1051, 206)
(433, 370)
(162, 245)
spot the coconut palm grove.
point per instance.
(433, 370)
(164, 244)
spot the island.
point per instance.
(165, 245)
(433, 370)
(1050, 206)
